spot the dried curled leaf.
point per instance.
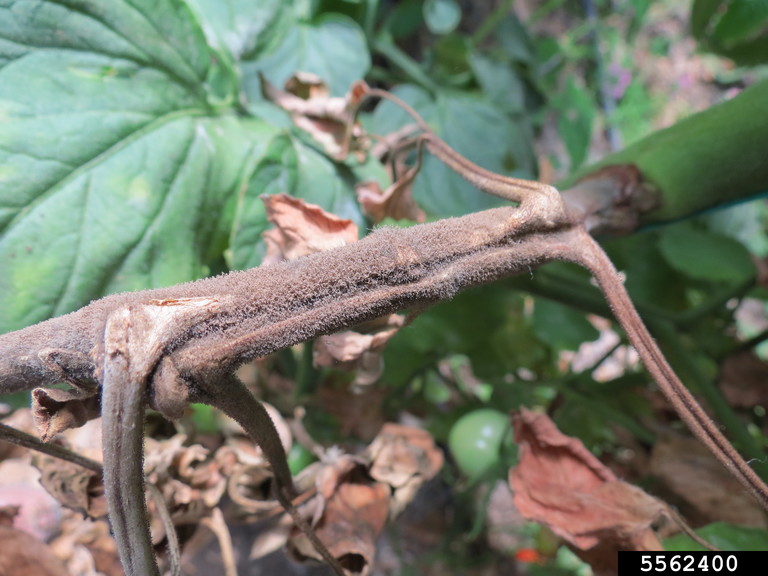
(358, 350)
(307, 99)
(559, 483)
(189, 479)
(249, 475)
(244, 448)
(302, 228)
(87, 547)
(404, 458)
(356, 495)
(57, 410)
(395, 202)
(73, 486)
(351, 510)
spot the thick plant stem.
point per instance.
(122, 422)
(708, 160)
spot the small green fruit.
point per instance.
(476, 440)
(299, 458)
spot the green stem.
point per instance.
(371, 9)
(567, 387)
(306, 375)
(708, 160)
(492, 21)
(573, 289)
(716, 302)
(384, 46)
(749, 344)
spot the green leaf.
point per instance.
(649, 279)
(742, 21)
(442, 16)
(702, 12)
(574, 121)
(475, 128)
(501, 83)
(590, 409)
(287, 166)
(726, 537)
(513, 38)
(635, 112)
(704, 255)
(641, 9)
(561, 326)
(451, 59)
(332, 46)
(404, 19)
(243, 27)
(743, 222)
(112, 177)
(733, 29)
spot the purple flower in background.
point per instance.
(618, 80)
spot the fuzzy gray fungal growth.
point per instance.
(293, 301)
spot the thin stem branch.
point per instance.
(218, 526)
(122, 433)
(684, 357)
(20, 438)
(492, 21)
(588, 253)
(386, 47)
(751, 343)
(174, 550)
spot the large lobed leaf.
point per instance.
(122, 151)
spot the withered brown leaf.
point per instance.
(73, 486)
(359, 350)
(395, 202)
(325, 118)
(187, 476)
(404, 458)
(353, 510)
(743, 378)
(690, 471)
(56, 410)
(87, 547)
(302, 228)
(559, 483)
